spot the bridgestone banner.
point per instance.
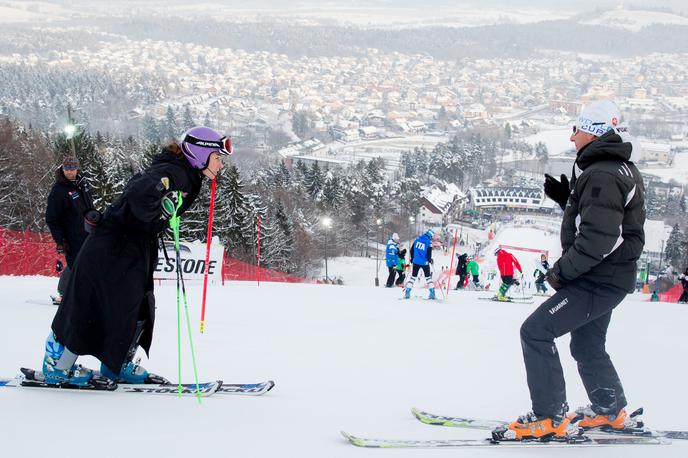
(192, 261)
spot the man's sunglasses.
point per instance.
(223, 145)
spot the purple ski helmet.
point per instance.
(199, 142)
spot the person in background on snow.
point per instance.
(421, 258)
(684, 282)
(506, 263)
(473, 269)
(108, 309)
(461, 270)
(392, 259)
(401, 268)
(602, 238)
(539, 275)
(69, 204)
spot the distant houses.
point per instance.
(511, 198)
(438, 206)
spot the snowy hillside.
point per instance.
(26, 12)
(635, 20)
(351, 358)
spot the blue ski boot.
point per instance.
(130, 373)
(56, 357)
(407, 293)
(432, 294)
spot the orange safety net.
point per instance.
(672, 295)
(28, 253)
(235, 270)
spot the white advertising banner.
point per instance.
(192, 261)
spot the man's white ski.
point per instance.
(478, 423)
(577, 441)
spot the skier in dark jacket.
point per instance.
(109, 308)
(539, 274)
(684, 282)
(401, 268)
(602, 238)
(421, 258)
(69, 202)
(461, 270)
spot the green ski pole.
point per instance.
(174, 225)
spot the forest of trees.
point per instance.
(442, 42)
(291, 201)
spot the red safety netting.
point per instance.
(27, 253)
(672, 295)
(30, 253)
(235, 270)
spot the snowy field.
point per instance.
(351, 358)
(557, 140)
(678, 172)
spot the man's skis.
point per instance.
(477, 423)
(576, 441)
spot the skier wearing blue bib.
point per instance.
(421, 257)
(392, 258)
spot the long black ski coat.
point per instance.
(111, 287)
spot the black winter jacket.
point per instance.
(461, 266)
(602, 233)
(111, 287)
(67, 203)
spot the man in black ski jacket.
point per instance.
(461, 270)
(602, 238)
(69, 203)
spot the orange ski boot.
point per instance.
(587, 418)
(535, 427)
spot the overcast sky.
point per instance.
(580, 5)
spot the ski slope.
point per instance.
(351, 358)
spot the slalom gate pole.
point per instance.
(174, 224)
(258, 255)
(451, 263)
(209, 238)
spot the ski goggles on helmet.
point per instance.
(222, 146)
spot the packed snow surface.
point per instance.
(353, 358)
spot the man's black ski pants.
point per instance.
(584, 309)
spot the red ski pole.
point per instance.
(258, 255)
(451, 263)
(207, 252)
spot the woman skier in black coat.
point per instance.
(108, 309)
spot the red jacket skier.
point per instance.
(505, 263)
